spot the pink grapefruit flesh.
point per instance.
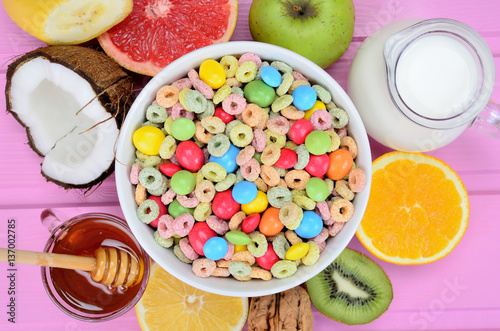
(158, 32)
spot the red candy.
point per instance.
(224, 205)
(190, 155)
(250, 223)
(199, 235)
(225, 117)
(169, 169)
(318, 165)
(287, 160)
(163, 210)
(267, 260)
(299, 131)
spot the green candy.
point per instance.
(318, 142)
(183, 182)
(182, 129)
(317, 189)
(175, 209)
(259, 93)
(238, 238)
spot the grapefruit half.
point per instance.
(159, 31)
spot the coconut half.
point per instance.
(72, 101)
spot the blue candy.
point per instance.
(228, 160)
(215, 248)
(310, 226)
(270, 76)
(304, 97)
(244, 192)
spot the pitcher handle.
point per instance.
(51, 219)
(488, 121)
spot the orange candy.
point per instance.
(270, 223)
(340, 164)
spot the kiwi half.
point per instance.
(352, 289)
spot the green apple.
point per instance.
(320, 30)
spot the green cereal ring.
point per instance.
(258, 246)
(214, 172)
(199, 177)
(281, 172)
(163, 242)
(230, 64)
(286, 83)
(302, 157)
(304, 202)
(231, 125)
(295, 224)
(312, 255)
(148, 211)
(340, 118)
(202, 211)
(277, 139)
(148, 160)
(160, 190)
(330, 184)
(240, 269)
(342, 188)
(180, 255)
(297, 193)
(195, 101)
(218, 145)
(151, 178)
(289, 212)
(322, 94)
(213, 124)
(281, 103)
(237, 90)
(209, 110)
(226, 183)
(156, 114)
(273, 114)
(335, 141)
(280, 245)
(290, 145)
(168, 124)
(246, 72)
(282, 66)
(331, 105)
(241, 135)
(167, 147)
(149, 123)
(221, 94)
(182, 97)
(284, 269)
(278, 195)
(239, 176)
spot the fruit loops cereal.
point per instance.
(234, 180)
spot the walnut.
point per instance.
(288, 311)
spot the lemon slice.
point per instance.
(63, 22)
(170, 304)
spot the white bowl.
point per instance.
(126, 155)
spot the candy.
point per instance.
(175, 209)
(259, 93)
(224, 205)
(239, 248)
(299, 131)
(203, 267)
(317, 105)
(318, 165)
(267, 260)
(270, 76)
(169, 169)
(226, 161)
(304, 97)
(244, 192)
(318, 142)
(212, 73)
(340, 164)
(190, 156)
(250, 223)
(183, 129)
(148, 139)
(287, 159)
(284, 269)
(183, 182)
(215, 248)
(310, 226)
(317, 189)
(199, 235)
(238, 237)
(270, 223)
(225, 117)
(297, 251)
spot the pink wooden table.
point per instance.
(459, 292)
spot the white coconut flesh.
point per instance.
(67, 123)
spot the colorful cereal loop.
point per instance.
(342, 210)
(167, 96)
(246, 72)
(230, 64)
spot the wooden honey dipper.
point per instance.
(110, 266)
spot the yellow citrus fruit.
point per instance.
(67, 22)
(418, 209)
(170, 304)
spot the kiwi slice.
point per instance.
(352, 289)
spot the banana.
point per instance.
(67, 22)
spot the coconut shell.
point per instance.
(112, 85)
